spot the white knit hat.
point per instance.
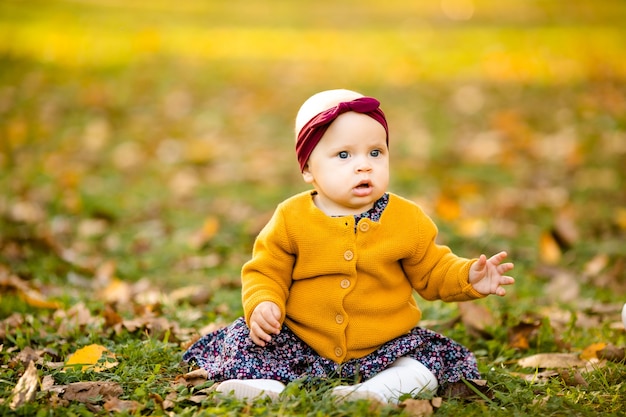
(320, 102)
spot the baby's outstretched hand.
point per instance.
(264, 322)
(487, 275)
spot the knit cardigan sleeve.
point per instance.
(267, 276)
(434, 271)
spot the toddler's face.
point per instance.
(349, 167)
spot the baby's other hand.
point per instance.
(264, 322)
(487, 275)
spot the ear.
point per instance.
(307, 175)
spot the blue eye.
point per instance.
(375, 153)
(343, 155)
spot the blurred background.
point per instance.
(153, 139)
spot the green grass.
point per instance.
(123, 133)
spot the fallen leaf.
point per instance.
(417, 408)
(47, 383)
(447, 208)
(111, 317)
(27, 355)
(117, 291)
(591, 351)
(168, 403)
(26, 387)
(549, 250)
(536, 377)
(620, 217)
(119, 406)
(92, 391)
(565, 229)
(209, 229)
(193, 378)
(477, 319)
(469, 389)
(573, 378)
(89, 356)
(596, 264)
(195, 295)
(31, 296)
(553, 361)
(520, 335)
(612, 354)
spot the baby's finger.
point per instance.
(270, 325)
(504, 268)
(258, 335)
(498, 257)
(507, 280)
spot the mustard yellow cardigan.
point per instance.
(345, 293)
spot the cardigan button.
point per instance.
(345, 283)
(364, 226)
(339, 318)
(338, 352)
(348, 255)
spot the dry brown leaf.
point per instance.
(477, 319)
(27, 355)
(563, 286)
(195, 295)
(193, 378)
(565, 228)
(612, 353)
(519, 336)
(115, 405)
(573, 378)
(555, 361)
(111, 317)
(417, 408)
(47, 382)
(537, 376)
(467, 390)
(169, 402)
(92, 391)
(155, 326)
(596, 264)
(26, 387)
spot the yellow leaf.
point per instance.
(448, 208)
(209, 229)
(199, 151)
(472, 227)
(117, 291)
(620, 217)
(549, 250)
(591, 351)
(34, 299)
(89, 356)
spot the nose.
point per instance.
(363, 165)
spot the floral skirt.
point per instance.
(229, 353)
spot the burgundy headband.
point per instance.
(310, 135)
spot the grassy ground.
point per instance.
(144, 144)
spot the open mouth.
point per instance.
(363, 185)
